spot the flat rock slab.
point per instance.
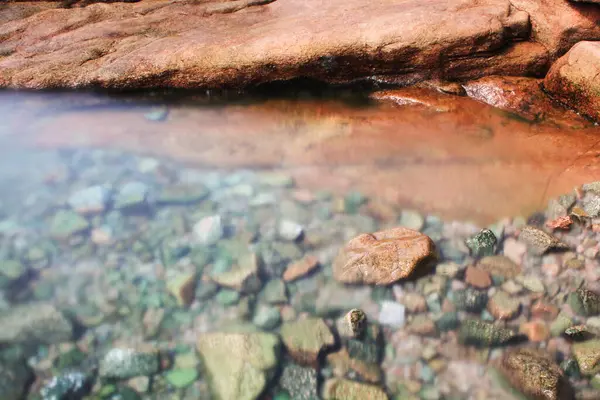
(382, 258)
(575, 79)
(217, 44)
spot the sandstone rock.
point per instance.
(342, 363)
(300, 268)
(503, 306)
(478, 277)
(535, 374)
(574, 79)
(35, 322)
(558, 25)
(214, 46)
(305, 339)
(344, 389)
(239, 365)
(539, 241)
(383, 257)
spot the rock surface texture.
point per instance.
(238, 43)
(575, 79)
(383, 257)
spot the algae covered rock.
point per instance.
(239, 365)
(535, 374)
(484, 334)
(305, 339)
(124, 363)
(35, 322)
(383, 257)
(482, 244)
(587, 355)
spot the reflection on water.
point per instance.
(163, 252)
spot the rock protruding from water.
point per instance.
(34, 322)
(124, 363)
(384, 257)
(239, 365)
(573, 79)
(305, 339)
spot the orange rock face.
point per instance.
(383, 257)
(300, 268)
(575, 79)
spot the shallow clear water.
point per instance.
(135, 221)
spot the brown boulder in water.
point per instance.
(382, 258)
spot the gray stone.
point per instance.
(66, 223)
(412, 220)
(125, 363)
(334, 298)
(290, 230)
(274, 292)
(266, 317)
(132, 195)
(482, 244)
(91, 200)
(539, 241)
(300, 382)
(209, 230)
(35, 322)
(591, 204)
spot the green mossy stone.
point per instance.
(181, 378)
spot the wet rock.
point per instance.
(274, 292)
(305, 339)
(92, 200)
(300, 268)
(290, 230)
(157, 114)
(477, 277)
(72, 385)
(34, 322)
(448, 321)
(539, 241)
(353, 324)
(228, 297)
(10, 271)
(392, 314)
(573, 79)
(469, 299)
(585, 302)
(243, 277)
(384, 257)
(349, 390)
(500, 266)
(209, 230)
(183, 287)
(132, 195)
(587, 355)
(412, 220)
(535, 374)
(15, 376)
(503, 306)
(182, 195)
(591, 204)
(66, 224)
(343, 364)
(484, 334)
(334, 298)
(125, 363)
(482, 244)
(300, 382)
(536, 331)
(181, 377)
(266, 317)
(239, 365)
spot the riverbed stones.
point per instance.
(183, 287)
(500, 266)
(383, 258)
(586, 302)
(299, 269)
(299, 382)
(484, 334)
(392, 314)
(182, 194)
(209, 230)
(91, 200)
(244, 276)
(349, 390)
(238, 365)
(66, 224)
(305, 339)
(477, 277)
(132, 196)
(15, 375)
(470, 299)
(34, 322)
(125, 363)
(535, 374)
(482, 244)
(503, 306)
(587, 355)
(539, 242)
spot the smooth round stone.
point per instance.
(392, 314)
(209, 230)
(266, 317)
(503, 306)
(181, 378)
(412, 220)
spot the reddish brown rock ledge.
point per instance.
(575, 79)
